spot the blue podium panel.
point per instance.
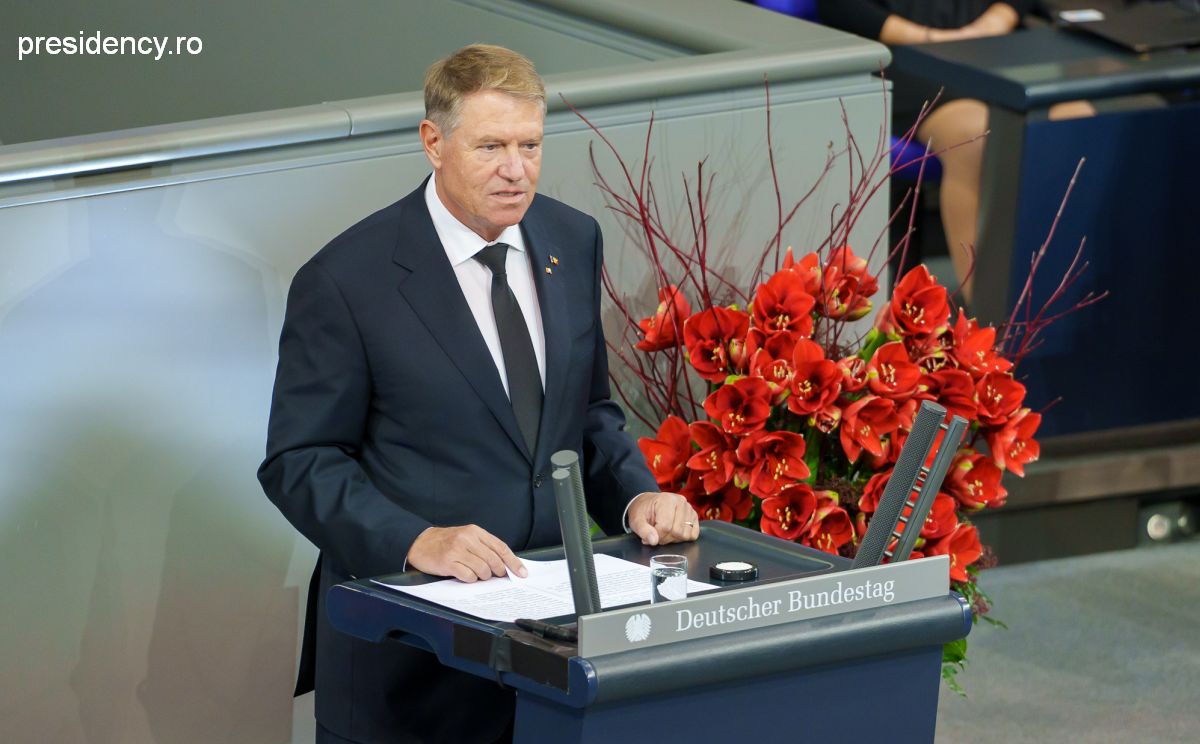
(786, 682)
(1135, 201)
(890, 698)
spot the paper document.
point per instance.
(545, 593)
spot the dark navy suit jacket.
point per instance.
(389, 417)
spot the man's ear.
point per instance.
(433, 142)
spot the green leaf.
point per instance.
(948, 676)
(955, 652)
(954, 660)
(812, 453)
(873, 340)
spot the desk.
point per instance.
(1116, 364)
(870, 674)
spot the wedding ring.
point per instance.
(690, 524)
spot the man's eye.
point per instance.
(533, 146)
(490, 148)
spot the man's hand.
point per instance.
(469, 553)
(660, 518)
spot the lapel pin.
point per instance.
(554, 260)
(548, 271)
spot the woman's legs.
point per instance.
(960, 122)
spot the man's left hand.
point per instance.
(660, 518)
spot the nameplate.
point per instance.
(763, 605)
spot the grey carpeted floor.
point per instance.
(1103, 648)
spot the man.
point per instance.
(432, 358)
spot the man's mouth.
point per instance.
(509, 195)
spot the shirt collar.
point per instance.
(461, 242)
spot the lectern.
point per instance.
(836, 668)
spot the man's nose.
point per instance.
(512, 165)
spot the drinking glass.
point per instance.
(668, 578)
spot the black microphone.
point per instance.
(576, 531)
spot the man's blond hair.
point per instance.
(472, 69)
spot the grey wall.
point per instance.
(263, 55)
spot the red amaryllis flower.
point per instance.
(771, 359)
(941, 519)
(864, 425)
(854, 373)
(717, 458)
(740, 407)
(999, 397)
(905, 413)
(975, 348)
(710, 335)
(953, 389)
(891, 452)
(891, 374)
(808, 268)
(845, 286)
(787, 514)
(860, 525)
(931, 352)
(816, 381)
(963, 547)
(662, 330)
(919, 306)
(831, 527)
(693, 485)
(826, 419)
(1013, 446)
(873, 492)
(668, 453)
(772, 461)
(782, 304)
(727, 504)
(974, 480)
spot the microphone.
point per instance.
(927, 490)
(576, 532)
(912, 485)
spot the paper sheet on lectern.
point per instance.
(545, 593)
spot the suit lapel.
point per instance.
(552, 299)
(432, 290)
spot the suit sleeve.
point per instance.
(615, 471)
(318, 414)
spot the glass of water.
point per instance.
(668, 578)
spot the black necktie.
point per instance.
(520, 362)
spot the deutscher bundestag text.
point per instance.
(797, 600)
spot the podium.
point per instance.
(861, 674)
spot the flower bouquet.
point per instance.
(782, 405)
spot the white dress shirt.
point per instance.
(461, 244)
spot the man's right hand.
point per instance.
(469, 553)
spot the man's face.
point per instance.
(487, 168)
